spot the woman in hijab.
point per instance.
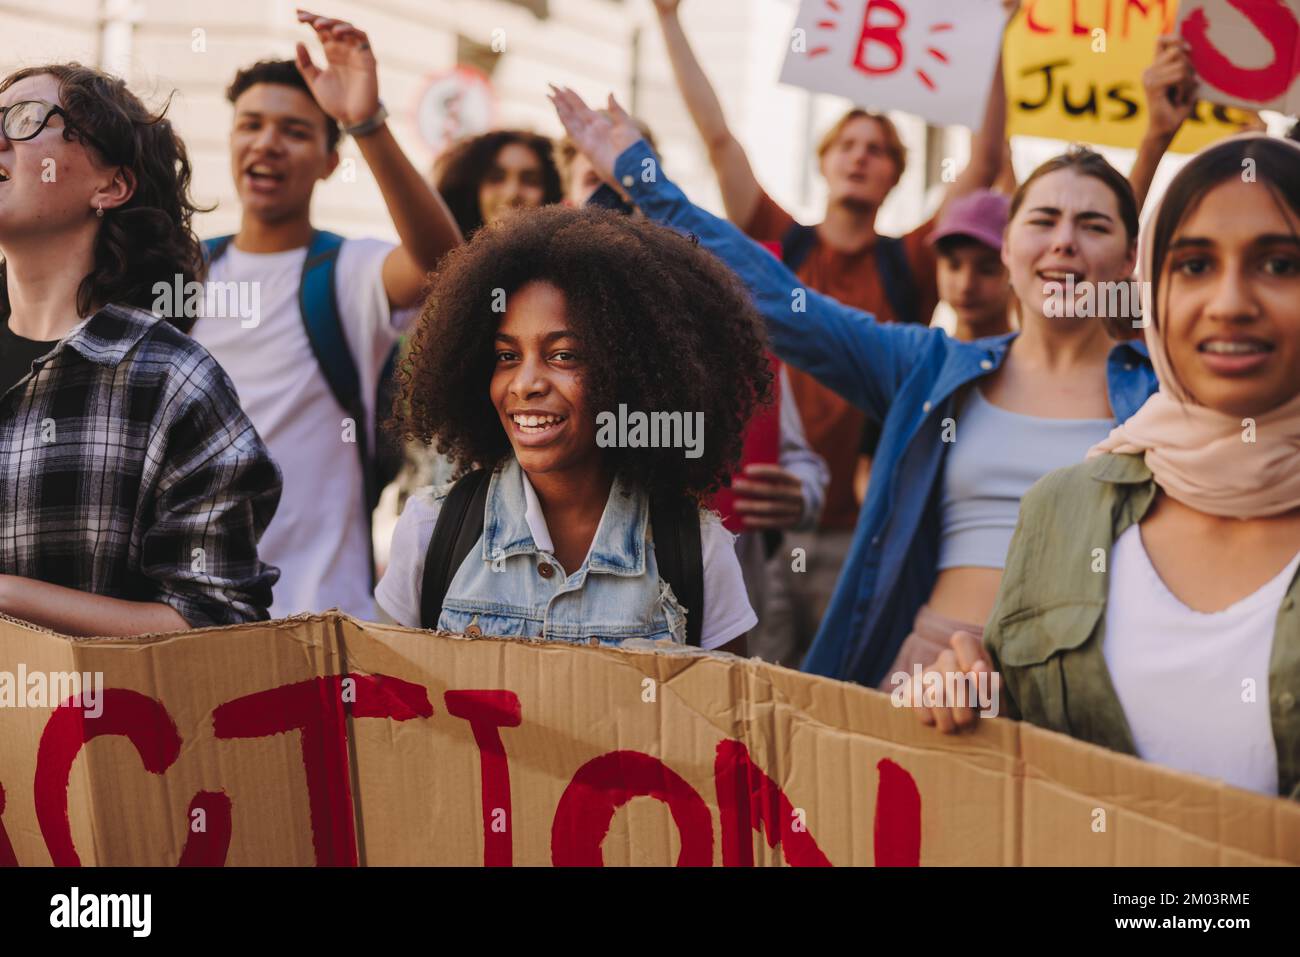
(1150, 603)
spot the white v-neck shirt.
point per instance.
(319, 537)
(1193, 685)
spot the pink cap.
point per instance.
(981, 215)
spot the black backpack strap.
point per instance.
(896, 277)
(796, 243)
(459, 526)
(675, 525)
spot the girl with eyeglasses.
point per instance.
(133, 490)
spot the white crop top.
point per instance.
(1193, 685)
(994, 459)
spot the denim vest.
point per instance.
(508, 587)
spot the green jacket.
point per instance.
(1046, 630)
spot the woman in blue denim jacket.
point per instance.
(592, 362)
(967, 426)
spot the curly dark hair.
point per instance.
(459, 171)
(665, 325)
(149, 238)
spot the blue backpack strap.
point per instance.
(896, 277)
(796, 243)
(215, 247)
(319, 305)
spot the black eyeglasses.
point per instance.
(25, 120)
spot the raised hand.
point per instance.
(665, 7)
(1170, 84)
(601, 136)
(348, 88)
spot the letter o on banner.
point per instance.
(605, 784)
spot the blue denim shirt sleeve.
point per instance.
(845, 349)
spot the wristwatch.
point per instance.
(366, 127)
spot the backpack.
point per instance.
(318, 305)
(891, 265)
(674, 524)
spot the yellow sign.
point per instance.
(1074, 72)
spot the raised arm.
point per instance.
(740, 189)
(989, 155)
(348, 90)
(1170, 86)
(846, 349)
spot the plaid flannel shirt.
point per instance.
(128, 469)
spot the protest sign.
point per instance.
(1246, 52)
(933, 58)
(323, 740)
(1073, 71)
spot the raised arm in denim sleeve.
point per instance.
(798, 457)
(844, 348)
(216, 491)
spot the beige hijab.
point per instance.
(1201, 457)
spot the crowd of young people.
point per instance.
(948, 492)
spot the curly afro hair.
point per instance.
(664, 325)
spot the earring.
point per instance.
(99, 211)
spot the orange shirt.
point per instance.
(833, 426)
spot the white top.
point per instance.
(727, 612)
(319, 535)
(1182, 675)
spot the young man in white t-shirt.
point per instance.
(285, 139)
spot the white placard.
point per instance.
(933, 58)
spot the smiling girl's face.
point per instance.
(1230, 287)
(537, 383)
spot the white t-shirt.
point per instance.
(727, 613)
(319, 537)
(1181, 675)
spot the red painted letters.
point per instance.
(605, 784)
(1276, 24)
(486, 711)
(885, 35)
(748, 800)
(318, 709)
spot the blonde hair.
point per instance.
(893, 142)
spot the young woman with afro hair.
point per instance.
(542, 322)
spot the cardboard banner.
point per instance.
(933, 58)
(322, 740)
(1073, 71)
(1247, 52)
